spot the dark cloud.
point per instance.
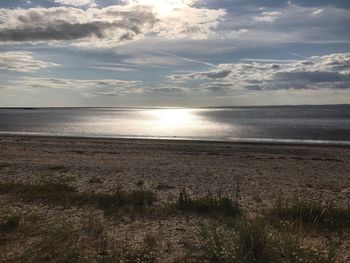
(216, 87)
(312, 77)
(70, 24)
(63, 31)
(217, 74)
(166, 90)
(317, 3)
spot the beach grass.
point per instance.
(238, 238)
(65, 195)
(62, 241)
(251, 241)
(164, 187)
(247, 242)
(311, 213)
(9, 223)
(214, 205)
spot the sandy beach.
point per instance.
(256, 174)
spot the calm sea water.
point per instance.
(313, 124)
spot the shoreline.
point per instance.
(248, 141)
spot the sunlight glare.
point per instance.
(164, 7)
(172, 118)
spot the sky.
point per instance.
(178, 53)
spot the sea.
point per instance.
(323, 124)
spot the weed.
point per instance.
(140, 183)
(250, 242)
(95, 180)
(4, 165)
(287, 248)
(253, 242)
(58, 244)
(150, 241)
(311, 213)
(51, 192)
(164, 186)
(61, 194)
(57, 168)
(217, 243)
(209, 205)
(9, 223)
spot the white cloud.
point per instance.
(161, 60)
(107, 26)
(190, 23)
(122, 86)
(317, 11)
(318, 72)
(22, 62)
(83, 3)
(162, 90)
(116, 69)
(270, 16)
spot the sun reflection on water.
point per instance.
(180, 123)
(172, 118)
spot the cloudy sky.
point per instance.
(174, 52)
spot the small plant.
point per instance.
(4, 165)
(164, 186)
(110, 203)
(57, 168)
(94, 224)
(253, 242)
(65, 195)
(150, 241)
(217, 243)
(311, 213)
(287, 247)
(9, 223)
(140, 183)
(130, 253)
(95, 180)
(52, 192)
(60, 243)
(247, 242)
(210, 204)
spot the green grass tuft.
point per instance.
(95, 180)
(250, 241)
(247, 242)
(61, 194)
(9, 223)
(287, 248)
(164, 186)
(57, 168)
(209, 205)
(311, 213)
(253, 242)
